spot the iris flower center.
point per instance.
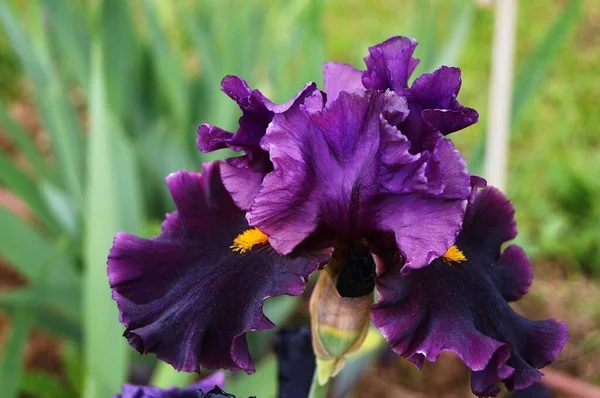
(453, 255)
(357, 277)
(248, 239)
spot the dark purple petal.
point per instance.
(438, 89)
(217, 379)
(390, 64)
(462, 307)
(347, 169)
(514, 274)
(185, 295)
(340, 77)
(476, 184)
(448, 121)
(435, 96)
(491, 221)
(212, 138)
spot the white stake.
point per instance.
(500, 99)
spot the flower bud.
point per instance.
(339, 324)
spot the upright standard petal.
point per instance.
(390, 64)
(257, 113)
(347, 169)
(217, 379)
(459, 303)
(434, 109)
(433, 99)
(242, 176)
(340, 77)
(185, 294)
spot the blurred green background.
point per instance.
(100, 100)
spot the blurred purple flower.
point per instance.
(296, 361)
(217, 379)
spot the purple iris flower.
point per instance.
(459, 303)
(203, 386)
(362, 176)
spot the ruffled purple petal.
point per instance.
(390, 64)
(448, 121)
(185, 295)
(462, 307)
(434, 109)
(325, 167)
(217, 379)
(438, 89)
(257, 113)
(424, 227)
(347, 169)
(435, 96)
(339, 77)
(243, 176)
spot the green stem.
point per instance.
(317, 390)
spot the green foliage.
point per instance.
(43, 385)
(9, 71)
(120, 97)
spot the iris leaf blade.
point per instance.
(26, 189)
(64, 299)
(29, 251)
(105, 353)
(70, 37)
(14, 352)
(24, 143)
(263, 383)
(36, 383)
(165, 376)
(58, 115)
